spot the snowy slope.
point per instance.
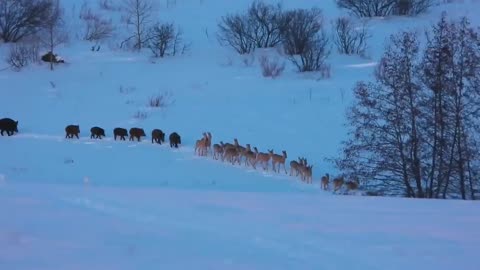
(90, 204)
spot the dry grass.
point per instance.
(271, 68)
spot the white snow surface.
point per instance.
(105, 204)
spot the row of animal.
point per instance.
(158, 136)
(231, 152)
(236, 153)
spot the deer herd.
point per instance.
(236, 153)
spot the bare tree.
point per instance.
(54, 32)
(348, 38)
(165, 39)
(415, 132)
(138, 14)
(451, 72)
(265, 23)
(21, 18)
(96, 27)
(384, 147)
(234, 31)
(301, 27)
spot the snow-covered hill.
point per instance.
(78, 204)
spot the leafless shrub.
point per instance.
(234, 31)
(271, 68)
(259, 27)
(313, 55)
(22, 54)
(412, 7)
(96, 28)
(348, 38)
(22, 18)
(165, 40)
(162, 100)
(381, 8)
(301, 26)
(140, 115)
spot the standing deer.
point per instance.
(262, 158)
(325, 181)
(307, 173)
(217, 151)
(201, 145)
(278, 159)
(338, 183)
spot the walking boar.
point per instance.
(120, 132)
(97, 133)
(8, 125)
(175, 140)
(72, 130)
(158, 136)
(136, 133)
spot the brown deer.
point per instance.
(201, 145)
(217, 151)
(278, 159)
(232, 155)
(241, 149)
(307, 173)
(352, 185)
(225, 147)
(262, 158)
(338, 183)
(325, 181)
(295, 166)
(250, 156)
(209, 142)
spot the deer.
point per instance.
(250, 156)
(352, 185)
(325, 181)
(226, 146)
(261, 157)
(217, 151)
(201, 145)
(302, 166)
(295, 166)
(307, 173)
(338, 183)
(241, 149)
(232, 155)
(209, 142)
(278, 159)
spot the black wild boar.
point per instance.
(136, 133)
(175, 140)
(120, 132)
(8, 125)
(72, 130)
(97, 132)
(158, 136)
